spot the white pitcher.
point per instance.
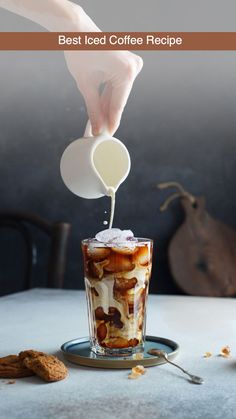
(91, 166)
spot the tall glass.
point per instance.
(117, 281)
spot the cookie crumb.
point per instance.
(11, 382)
(136, 372)
(225, 351)
(138, 356)
(207, 354)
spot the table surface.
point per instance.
(43, 319)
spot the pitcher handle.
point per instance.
(88, 129)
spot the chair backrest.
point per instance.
(58, 234)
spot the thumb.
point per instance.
(93, 105)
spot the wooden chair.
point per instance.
(58, 234)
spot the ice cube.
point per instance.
(108, 235)
(114, 235)
(124, 236)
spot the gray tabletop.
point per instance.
(44, 319)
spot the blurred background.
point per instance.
(179, 124)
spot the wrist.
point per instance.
(70, 17)
(62, 17)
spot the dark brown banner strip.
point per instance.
(189, 41)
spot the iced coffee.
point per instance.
(117, 274)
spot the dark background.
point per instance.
(179, 124)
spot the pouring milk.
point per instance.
(92, 167)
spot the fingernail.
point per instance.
(96, 130)
(99, 128)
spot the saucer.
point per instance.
(78, 351)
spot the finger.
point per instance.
(92, 100)
(118, 101)
(105, 101)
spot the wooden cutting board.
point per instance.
(202, 252)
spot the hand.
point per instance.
(117, 70)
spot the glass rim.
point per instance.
(139, 240)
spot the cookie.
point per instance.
(48, 367)
(30, 353)
(12, 366)
(9, 359)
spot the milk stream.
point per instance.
(112, 164)
(112, 194)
